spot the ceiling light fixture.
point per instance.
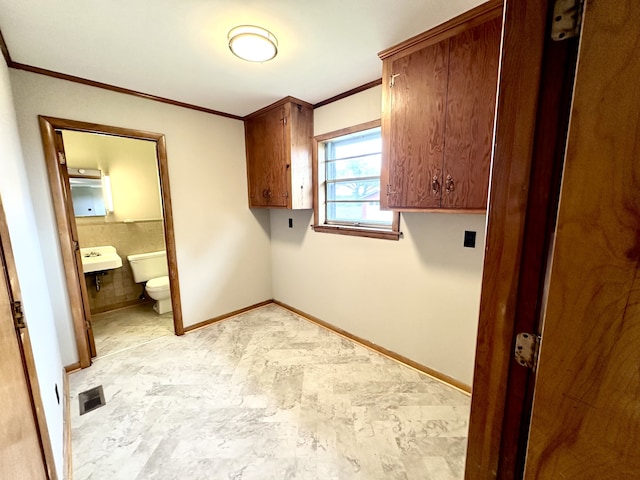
(253, 44)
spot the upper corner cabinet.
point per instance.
(438, 106)
(279, 142)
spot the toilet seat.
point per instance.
(158, 284)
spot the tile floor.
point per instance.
(129, 327)
(265, 395)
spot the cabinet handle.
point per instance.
(435, 185)
(449, 185)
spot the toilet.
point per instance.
(152, 268)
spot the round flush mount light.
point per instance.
(253, 44)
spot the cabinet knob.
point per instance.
(266, 193)
(449, 185)
(435, 185)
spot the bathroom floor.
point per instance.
(129, 327)
(265, 395)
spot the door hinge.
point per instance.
(18, 316)
(392, 79)
(526, 351)
(567, 16)
(76, 245)
(61, 158)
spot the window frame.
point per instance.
(319, 179)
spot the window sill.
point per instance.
(358, 231)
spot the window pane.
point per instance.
(352, 167)
(358, 212)
(365, 166)
(354, 190)
(356, 146)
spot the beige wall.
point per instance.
(19, 209)
(132, 166)
(222, 247)
(418, 297)
(118, 286)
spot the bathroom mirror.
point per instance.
(87, 193)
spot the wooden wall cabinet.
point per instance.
(438, 104)
(278, 141)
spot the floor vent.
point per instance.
(91, 399)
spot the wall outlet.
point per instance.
(291, 223)
(469, 239)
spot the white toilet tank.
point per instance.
(146, 266)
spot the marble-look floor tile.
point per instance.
(129, 327)
(265, 395)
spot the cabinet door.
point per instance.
(266, 160)
(471, 98)
(418, 95)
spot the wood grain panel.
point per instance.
(59, 197)
(266, 162)
(516, 117)
(586, 411)
(471, 96)
(416, 135)
(169, 234)
(301, 127)
(73, 229)
(25, 447)
(558, 73)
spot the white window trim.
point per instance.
(319, 209)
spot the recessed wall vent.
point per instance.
(91, 399)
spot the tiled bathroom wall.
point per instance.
(118, 288)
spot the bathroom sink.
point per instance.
(97, 259)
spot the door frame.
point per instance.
(24, 344)
(48, 128)
(534, 94)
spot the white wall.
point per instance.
(19, 210)
(418, 297)
(222, 247)
(131, 164)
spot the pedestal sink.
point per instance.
(98, 259)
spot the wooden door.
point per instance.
(418, 93)
(73, 232)
(21, 455)
(471, 98)
(586, 410)
(266, 163)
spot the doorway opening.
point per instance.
(111, 196)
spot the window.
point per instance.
(347, 169)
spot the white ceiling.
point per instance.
(177, 49)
